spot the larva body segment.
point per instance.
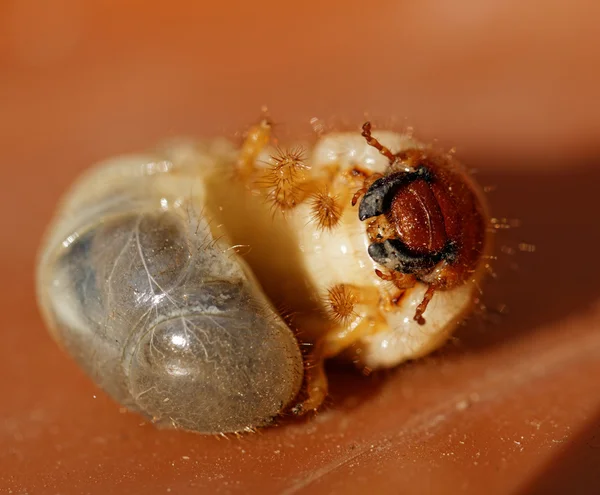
(144, 290)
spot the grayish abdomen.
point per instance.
(145, 292)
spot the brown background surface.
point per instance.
(508, 407)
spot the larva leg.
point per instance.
(257, 138)
(342, 300)
(326, 208)
(316, 381)
(401, 282)
(423, 306)
(284, 177)
(405, 281)
(339, 340)
(331, 345)
(281, 176)
(352, 325)
(331, 196)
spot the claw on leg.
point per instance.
(423, 306)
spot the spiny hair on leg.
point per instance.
(326, 209)
(283, 176)
(340, 302)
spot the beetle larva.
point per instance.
(367, 254)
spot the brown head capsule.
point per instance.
(438, 223)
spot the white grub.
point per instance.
(140, 277)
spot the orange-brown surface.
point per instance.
(509, 407)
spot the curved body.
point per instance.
(141, 281)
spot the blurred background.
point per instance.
(510, 406)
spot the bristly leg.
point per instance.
(326, 209)
(283, 177)
(341, 301)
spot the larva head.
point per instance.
(435, 217)
(161, 313)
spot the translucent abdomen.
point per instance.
(143, 289)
